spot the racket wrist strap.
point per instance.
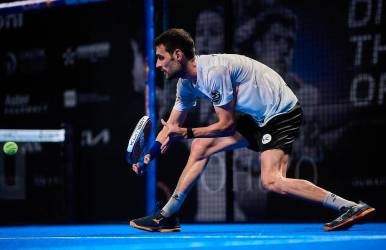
(155, 149)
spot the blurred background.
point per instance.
(81, 66)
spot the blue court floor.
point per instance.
(203, 236)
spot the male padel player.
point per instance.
(269, 123)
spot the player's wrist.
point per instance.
(189, 133)
(155, 149)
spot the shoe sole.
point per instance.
(356, 219)
(163, 230)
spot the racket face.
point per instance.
(138, 140)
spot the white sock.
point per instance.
(335, 202)
(174, 204)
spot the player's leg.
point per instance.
(273, 164)
(201, 149)
(275, 141)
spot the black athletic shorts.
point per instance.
(280, 132)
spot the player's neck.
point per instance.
(191, 71)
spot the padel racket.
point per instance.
(138, 141)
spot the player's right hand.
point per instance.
(140, 169)
(137, 169)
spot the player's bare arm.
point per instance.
(176, 118)
(225, 126)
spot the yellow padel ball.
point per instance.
(10, 148)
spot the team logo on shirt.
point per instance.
(266, 138)
(216, 96)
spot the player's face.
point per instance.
(209, 33)
(276, 47)
(167, 63)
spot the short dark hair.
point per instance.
(174, 39)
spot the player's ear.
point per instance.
(178, 54)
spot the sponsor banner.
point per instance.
(22, 104)
(23, 62)
(11, 21)
(90, 53)
(73, 98)
(94, 137)
(28, 5)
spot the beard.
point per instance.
(172, 75)
(174, 72)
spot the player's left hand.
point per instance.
(174, 132)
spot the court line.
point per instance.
(298, 237)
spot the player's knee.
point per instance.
(273, 184)
(200, 147)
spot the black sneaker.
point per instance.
(350, 216)
(157, 223)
